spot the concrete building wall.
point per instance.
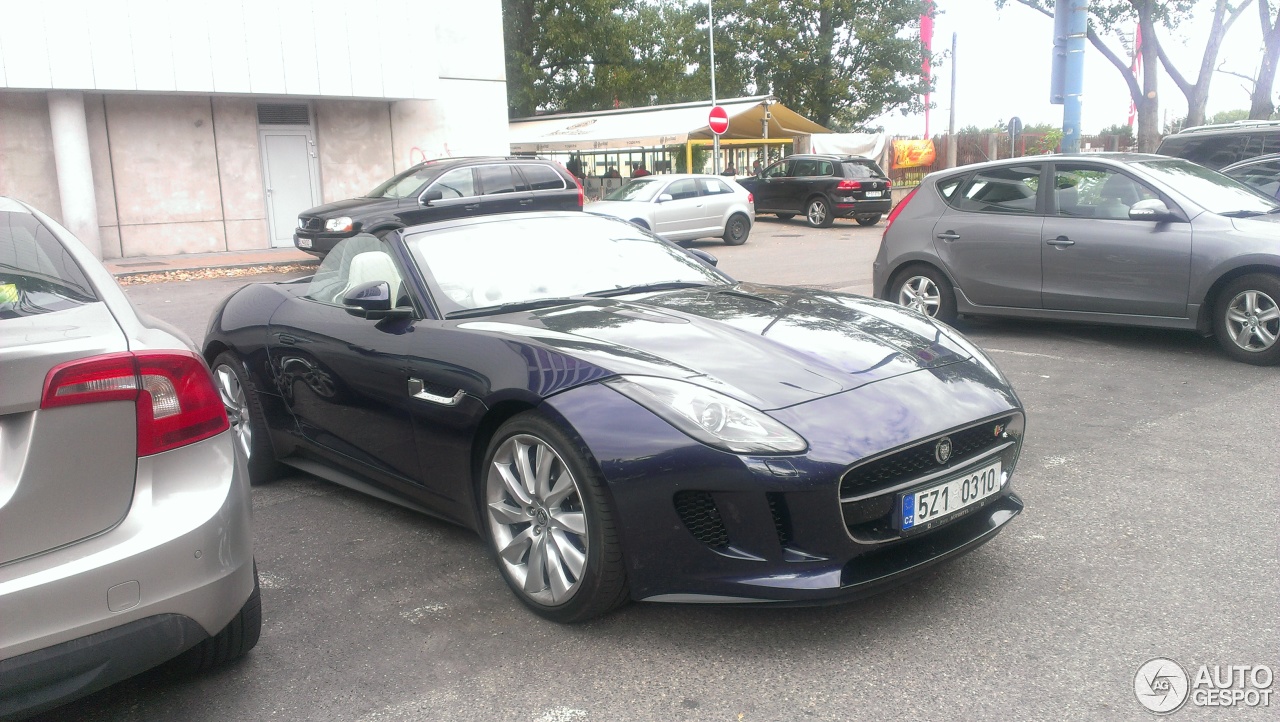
(353, 139)
(470, 118)
(244, 209)
(27, 170)
(166, 174)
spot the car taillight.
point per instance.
(582, 195)
(898, 209)
(888, 183)
(751, 198)
(849, 185)
(174, 397)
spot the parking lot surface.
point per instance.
(1149, 475)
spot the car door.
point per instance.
(502, 189)
(717, 197)
(1095, 258)
(683, 214)
(989, 237)
(344, 377)
(772, 188)
(551, 191)
(813, 176)
(455, 194)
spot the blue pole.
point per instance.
(1077, 26)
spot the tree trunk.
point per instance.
(1262, 106)
(823, 102)
(1149, 108)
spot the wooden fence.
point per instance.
(979, 147)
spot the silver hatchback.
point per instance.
(1132, 239)
(683, 207)
(125, 534)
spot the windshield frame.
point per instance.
(380, 191)
(618, 230)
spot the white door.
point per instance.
(684, 214)
(292, 181)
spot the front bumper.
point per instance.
(780, 534)
(318, 244)
(175, 571)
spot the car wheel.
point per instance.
(248, 423)
(818, 213)
(924, 289)
(550, 522)
(869, 220)
(736, 230)
(786, 216)
(235, 640)
(1247, 319)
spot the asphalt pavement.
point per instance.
(1151, 530)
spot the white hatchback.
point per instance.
(683, 207)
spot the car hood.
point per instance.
(769, 346)
(1263, 225)
(619, 209)
(337, 207)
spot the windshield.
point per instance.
(637, 190)
(403, 185)
(1210, 189)
(518, 260)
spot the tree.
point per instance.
(1121, 129)
(1197, 93)
(840, 63)
(1263, 106)
(1112, 17)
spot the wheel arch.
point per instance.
(1204, 320)
(493, 419)
(905, 262)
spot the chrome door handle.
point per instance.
(526, 202)
(1061, 242)
(949, 236)
(418, 391)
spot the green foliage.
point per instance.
(1049, 143)
(1229, 116)
(841, 63)
(1124, 130)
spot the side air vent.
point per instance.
(283, 114)
(701, 517)
(781, 516)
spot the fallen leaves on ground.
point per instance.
(201, 274)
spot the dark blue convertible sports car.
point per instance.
(619, 419)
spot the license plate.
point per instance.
(304, 243)
(942, 500)
(873, 194)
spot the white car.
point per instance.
(683, 207)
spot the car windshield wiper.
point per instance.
(1245, 214)
(514, 306)
(642, 287)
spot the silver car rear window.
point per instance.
(37, 274)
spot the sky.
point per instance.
(1003, 60)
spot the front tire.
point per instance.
(1246, 319)
(869, 219)
(817, 213)
(926, 290)
(736, 230)
(550, 522)
(248, 423)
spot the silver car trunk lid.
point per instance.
(66, 473)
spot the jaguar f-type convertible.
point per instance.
(621, 420)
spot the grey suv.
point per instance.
(124, 504)
(1132, 239)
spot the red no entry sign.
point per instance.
(718, 120)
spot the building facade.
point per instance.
(154, 128)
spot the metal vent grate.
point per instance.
(283, 114)
(699, 513)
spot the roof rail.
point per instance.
(1234, 125)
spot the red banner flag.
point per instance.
(926, 38)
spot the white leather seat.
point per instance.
(373, 266)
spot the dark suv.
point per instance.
(1218, 146)
(441, 189)
(823, 188)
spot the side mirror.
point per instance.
(434, 194)
(372, 300)
(664, 197)
(1152, 209)
(703, 256)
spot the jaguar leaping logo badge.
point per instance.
(942, 452)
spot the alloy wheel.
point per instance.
(1253, 321)
(817, 213)
(537, 519)
(237, 406)
(921, 294)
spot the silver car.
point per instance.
(124, 502)
(1133, 239)
(683, 207)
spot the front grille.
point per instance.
(701, 517)
(311, 224)
(919, 460)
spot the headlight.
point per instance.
(338, 225)
(710, 416)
